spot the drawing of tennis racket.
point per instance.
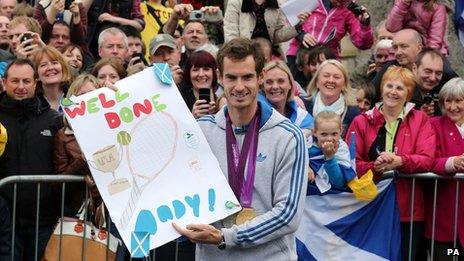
(154, 141)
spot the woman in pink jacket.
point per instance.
(395, 136)
(449, 160)
(329, 23)
(428, 18)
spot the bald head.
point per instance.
(407, 44)
(6, 7)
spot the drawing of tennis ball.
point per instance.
(124, 138)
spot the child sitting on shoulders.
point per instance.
(329, 156)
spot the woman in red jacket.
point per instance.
(395, 136)
(449, 160)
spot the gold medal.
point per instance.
(244, 215)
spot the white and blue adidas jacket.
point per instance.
(278, 194)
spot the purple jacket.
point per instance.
(431, 25)
(321, 22)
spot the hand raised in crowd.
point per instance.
(364, 17)
(27, 47)
(202, 108)
(135, 65)
(106, 17)
(177, 73)
(74, 8)
(309, 40)
(303, 16)
(329, 149)
(371, 68)
(57, 6)
(181, 11)
(200, 233)
(210, 9)
(428, 108)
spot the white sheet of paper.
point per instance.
(292, 8)
(147, 154)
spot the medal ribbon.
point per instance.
(236, 160)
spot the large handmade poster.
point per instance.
(149, 159)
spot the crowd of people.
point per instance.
(245, 87)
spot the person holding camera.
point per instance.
(200, 84)
(194, 34)
(25, 34)
(329, 23)
(428, 71)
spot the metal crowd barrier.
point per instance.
(431, 176)
(39, 179)
(64, 179)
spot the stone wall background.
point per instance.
(379, 10)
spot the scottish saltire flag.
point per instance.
(459, 20)
(336, 226)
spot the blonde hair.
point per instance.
(79, 81)
(402, 74)
(30, 23)
(348, 92)
(282, 66)
(326, 116)
(23, 8)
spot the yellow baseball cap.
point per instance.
(3, 139)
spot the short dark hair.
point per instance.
(19, 62)
(300, 54)
(317, 50)
(130, 31)
(63, 23)
(432, 52)
(238, 49)
(369, 90)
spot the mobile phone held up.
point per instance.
(204, 94)
(139, 55)
(67, 4)
(25, 37)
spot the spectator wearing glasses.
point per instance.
(112, 42)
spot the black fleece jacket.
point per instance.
(31, 125)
